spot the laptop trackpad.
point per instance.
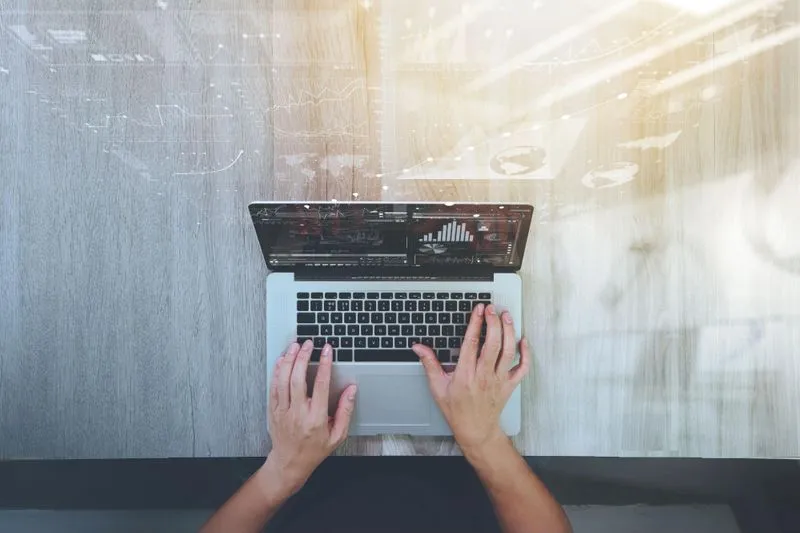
(388, 400)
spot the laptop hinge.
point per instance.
(391, 274)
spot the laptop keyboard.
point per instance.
(382, 326)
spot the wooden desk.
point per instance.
(662, 275)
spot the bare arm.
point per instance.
(303, 435)
(471, 399)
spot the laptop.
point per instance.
(371, 279)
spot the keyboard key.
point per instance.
(485, 296)
(349, 318)
(302, 340)
(397, 305)
(315, 355)
(442, 295)
(427, 341)
(386, 296)
(394, 356)
(417, 318)
(316, 305)
(357, 305)
(316, 295)
(373, 342)
(372, 295)
(448, 331)
(343, 305)
(308, 331)
(358, 295)
(344, 295)
(400, 342)
(339, 330)
(413, 340)
(434, 331)
(337, 318)
(438, 305)
(454, 342)
(461, 331)
(470, 296)
(440, 342)
(400, 295)
(330, 295)
(333, 341)
(301, 295)
(430, 318)
(394, 330)
(444, 318)
(456, 296)
(443, 356)
(376, 318)
(414, 296)
(424, 306)
(366, 330)
(362, 317)
(390, 318)
(411, 305)
(360, 342)
(420, 331)
(329, 305)
(346, 342)
(386, 342)
(407, 331)
(451, 306)
(383, 305)
(344, 355)
(306, 318)
(458, 318)
(370, 305)
(326, 329)
(319, 342)
(404, 318)
(464, 305)
(352, 329)
(380, 329)
(428, 295)
(302, 305)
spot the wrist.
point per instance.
(277, 483)
(483, 452)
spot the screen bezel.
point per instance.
(524, 230)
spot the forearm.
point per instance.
(252, 506)
(521, 501)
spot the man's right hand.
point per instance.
(474, 394)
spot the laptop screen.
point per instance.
(391, 235)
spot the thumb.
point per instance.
(428, 359)
(344, 412)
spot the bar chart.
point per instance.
(451, 232)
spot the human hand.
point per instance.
(474, 394)
(303, 434)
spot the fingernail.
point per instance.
(307, 343)
(507, 318)
(491, 310)
(326, 351)
(524, 341)
(352, 394)
(480, 309)
(293, 349)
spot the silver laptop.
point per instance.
(373, 278)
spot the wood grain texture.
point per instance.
(662, 275)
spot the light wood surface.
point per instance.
(661, 149)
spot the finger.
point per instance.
(509, 344)
(494, 340)
(284, 374)
(517, 373)
(344, 412)
(472, 338)
(431, 365)
(273, 386)
(299, 391)
(322, 384)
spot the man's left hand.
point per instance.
(303, 434)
